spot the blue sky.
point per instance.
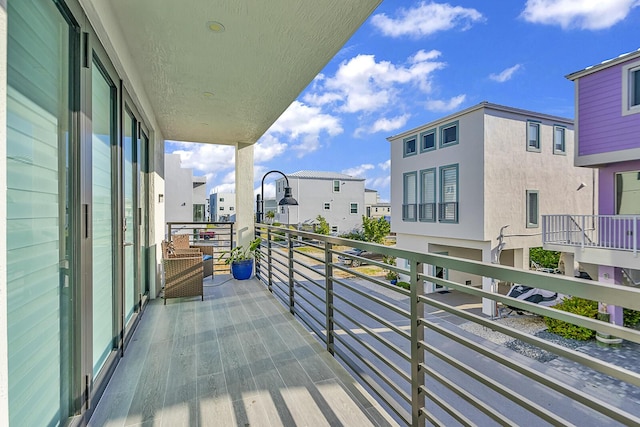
(413, 62)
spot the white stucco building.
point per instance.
(456, 182)
(339, 198)
(185, 194)
(222, 206)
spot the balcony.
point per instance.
(241, 357)
(595, 237)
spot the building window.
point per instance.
(334, 228)
(336, 186)
(409, 146)
(409, 197)
(221, 208)
(428, 140)
(627, 193)
(427, 208)
(230, 208)
(222, 199)
(353, 208)
(327, 206)
(532, 209)
(448, 209)
(533, 136)
(631, 89)
(281, 209)
(449, 134)
(559, 133)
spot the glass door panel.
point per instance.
(40, 213)
(103, 134)
(143, 176)
(130, 227)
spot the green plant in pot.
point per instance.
(241, 259)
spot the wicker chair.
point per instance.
(182, 273)
(207, 263)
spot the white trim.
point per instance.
(628, 109)
(610, 157)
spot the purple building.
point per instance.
(607, 243)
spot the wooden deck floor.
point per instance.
(238, 358)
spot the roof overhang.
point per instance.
(604, 64)
(225, 84)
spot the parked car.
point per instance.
(207, 234)
(361, 253)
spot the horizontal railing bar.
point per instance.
(577, 395)
(313, 257)
(303, 285)
(377, 300)
(594, 324)
(375, 370)
(379, 338)
(512, 395)
(468, 397)
(373, 385)
(308, 278)
(457, 415)
(276, 267)
(310, 281)
(428, 416)
(322, 313)
(299, 310)
(586, 360)
(375, 317)
(320, 333)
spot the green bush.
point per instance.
(630, 318)
(578, 306)
(544, 258)
(404, 285)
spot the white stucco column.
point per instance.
(488, 306)
(568, 264)
(244, 194)
(4, 367)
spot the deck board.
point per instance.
(237, 358)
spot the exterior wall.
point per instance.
(381, 210)
(178, 197)
(227, 201)
(511, 170)
(601, 127)
(468, 154)
(606, 184)
(311, 195)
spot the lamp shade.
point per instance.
(288, 198)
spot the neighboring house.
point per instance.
(185, 194)
(608, 140)
(374, 207)
(337, 197)
(458, 181)
(223, 206)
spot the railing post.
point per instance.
(583, 231)
(635, 235)
(545, 219)
(270, 262)
(417, 335)
(291, 290)
(257, 234)
(328, 262)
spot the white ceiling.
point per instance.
(231, 86)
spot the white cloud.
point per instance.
(583, 14)
(267, 148)
(301, 119)
(437, 105)
(505, 75)
(384, 125)
(385, 166)
(358, 171)
(204, 157)
(426, 19)
(363, 85)
(380, 183)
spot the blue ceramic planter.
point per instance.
(242, 270)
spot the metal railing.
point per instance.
(427, 212)
(218, 236)
(448, 212)
(422, 369)
(618, 232)
(409, 212)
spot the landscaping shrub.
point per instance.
(544, 258)
(404, 285)
(578, 306)
(630, 318)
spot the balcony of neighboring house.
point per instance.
(310, 340)
(596, 239)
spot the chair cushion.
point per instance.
(206, 257)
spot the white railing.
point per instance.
(619, 232)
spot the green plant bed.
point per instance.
(578, 306)
(404, 285)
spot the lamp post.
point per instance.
(287, 200)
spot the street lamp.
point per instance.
(287, 200)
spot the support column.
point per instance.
(488, 305)
(612, 275)
(4, 367)
(244, 194)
